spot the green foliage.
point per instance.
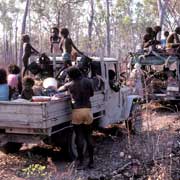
(35, 171)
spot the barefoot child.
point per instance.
(28, 50)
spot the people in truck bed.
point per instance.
(27, 92)
(4, 88)
(173, 41)
(14, 80)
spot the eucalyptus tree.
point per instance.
(8, 15)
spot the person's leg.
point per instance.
(87, 129)
(25, 61)
(79, 141)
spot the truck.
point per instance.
(162, 71)
(50, 121)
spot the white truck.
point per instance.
(32, 122)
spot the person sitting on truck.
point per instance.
(27, 92)
(150, 39)
(4, 88)
(81, 90)
(173, 41)
(66, 45)
(28, 50)
(14, 80)
(114, 85)
(147, 38)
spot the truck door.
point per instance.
(115, 100)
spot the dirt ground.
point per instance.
(153, 154)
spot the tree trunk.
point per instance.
(162, 12)
(90, 25)
(16, 43)
(108, 43)
(23, 30)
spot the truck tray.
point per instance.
(40, 117)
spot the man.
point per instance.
(81, 90)
(173, 40)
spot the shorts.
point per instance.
(66, 57)
(82, 116)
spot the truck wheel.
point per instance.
(134, 122)
(11, 147)
(72, 148)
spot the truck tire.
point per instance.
(11, 147)
(134, 122)
(72, 149)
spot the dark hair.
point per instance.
(157, 29)
(3, 76)
(177, 30)
(149, 30)
(111, 74)
(74, 73)
(55, 30)
(28, 81)
(13, 69)
(64, 32)
(166, 33)
(25, 38)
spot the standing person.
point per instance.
(4, 88)
(66, 45)
(137, 77)
(55, 40)
(81, 90)
(28, 50)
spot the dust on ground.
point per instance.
(152, 154)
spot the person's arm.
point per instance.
(73, 45)
(64, 87)
(34, 51)
(60, 46)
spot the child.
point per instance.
(66, 45)
(28, 50)
(14, 80)
(27, 91)
(4, 88)
(55, 40)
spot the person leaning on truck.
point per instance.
(81, 90)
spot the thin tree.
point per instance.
(23, 30)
